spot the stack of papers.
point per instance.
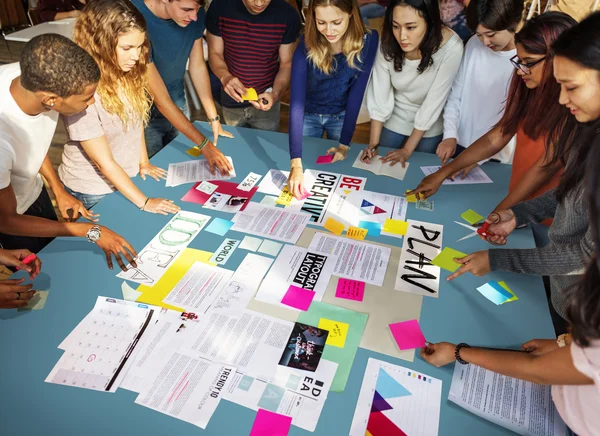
(195, 171)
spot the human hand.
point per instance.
(402, 155)
(15, 258)
(265, 101)
(439, 354)
(216, 159)
(115, 245)
(66, 201)
(477, 264)
(296, 181)
(74, 14)
(446, 150)
(428, 186)
(369, 153)
(339, 153)
(217, 129)
(463, 173)
(161, 206)
(502, 223)
(147, 169)
(234, 88)
(538, 347)
(13, 294)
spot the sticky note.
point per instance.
(194, 151)
(445, 259)
(494, 292)
(374, 228)
(250, 243)
(251, 95)
(356, 233)
(270, 423)
(338, 331)
(269, 200)
(219, 226)
(286, 197)
(350, 289)
(335, 227)
(37, 302)
(471, 216)
(270, 247)
(396, 227)
(408, 334)
(129, 293)
(304, 195)
(298, 298)
(206, 187)
(505, 286)
(325, 159)
(411, 198)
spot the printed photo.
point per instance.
(304, 348)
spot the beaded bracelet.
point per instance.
(202, 144)
(457, 353)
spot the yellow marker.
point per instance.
(250, 95)
(396, 227)
(285, 198)
(411, 198)
(357, 233)
(334, 226)
(338, 331)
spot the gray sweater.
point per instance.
(571, 244)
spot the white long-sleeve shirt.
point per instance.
(476, 102)
(406, 100)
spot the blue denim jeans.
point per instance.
(317, 124)
(88, 200)
(159, 131)
(371, 10)
(396, 140)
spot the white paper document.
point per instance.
(162, 251)
(356, 260)
(224, 252)
(283, 225)
(474, 177)
(370, 206)
(187, 387)
(397, 400)
(195, 171)
(301, 267)
(249, 182)
(523, 407)
(199, 287)
(380, 168)
(416, 274)
(274, 182)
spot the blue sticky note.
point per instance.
(374, 228)
(494, 292)
(219, 226)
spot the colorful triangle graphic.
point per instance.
(388, 387)
(381, 425)
(378, 210)
(366, 203)
(379, 403)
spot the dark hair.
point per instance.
(537, 111)
(54, 63)
(200, 2)
(496, 15)
(580, 44)
(429, 10)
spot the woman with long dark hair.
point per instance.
(571, 364)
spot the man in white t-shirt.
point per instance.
(476, 102)
(55, 76)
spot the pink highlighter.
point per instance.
(28, 260)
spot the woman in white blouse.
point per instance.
(412, 78)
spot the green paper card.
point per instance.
(37, 302)
(344, 357)
(471, 216)
(445, 259)
(514, 296)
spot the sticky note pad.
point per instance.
(396, 227)
(325, 159)
(408, 334)
(304, 195)
(411, 198)
(298, 298)
(219, 226)
(505, 286)
(286, 197)
(495, 293)
(270, 247)
(251, 244)
(356, 233)
(270, 423)
(37, 302)
(251, 95)
(194, 151)
(445, 259)
(335, 227)
(374, 228)
(471, 216)
(350, 289)
(337, 332)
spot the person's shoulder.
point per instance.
(10, 71)
(451, 42)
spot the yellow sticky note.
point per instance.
(471, 216)
(338, 331)
(335, 227)
(505, 286)
(357, 233)
(411, 198)
(194, 151)
(251, 95)
(286, 197)
(155, 294)
(396, 227)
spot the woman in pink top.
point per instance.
(570, 364)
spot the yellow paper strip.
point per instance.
(285, 198)
(396, 227)
(357, 233)
(334, 226)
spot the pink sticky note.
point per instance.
(350, 289)
(298, 298)
(304, 195)
(325, 159)
(408, 334)
(270, 423)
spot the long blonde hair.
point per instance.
(97, 31)
(317, 46)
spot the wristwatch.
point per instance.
(93, 234)
(212, 120)
(562, 340)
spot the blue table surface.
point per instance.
(75, 273)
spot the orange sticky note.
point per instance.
(357, 233)
(194, 151)
(396, 227)
(251, 95)
(334, 226)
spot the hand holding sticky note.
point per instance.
(251, 95)
(408, 334)
(326, 159)
(445, 259)
(410, 198)
(286, 197)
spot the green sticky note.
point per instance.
(343, 356)
(513, 298)
(37, 302)
(445, 259)
(471, 216)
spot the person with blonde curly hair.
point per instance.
(107, 145)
